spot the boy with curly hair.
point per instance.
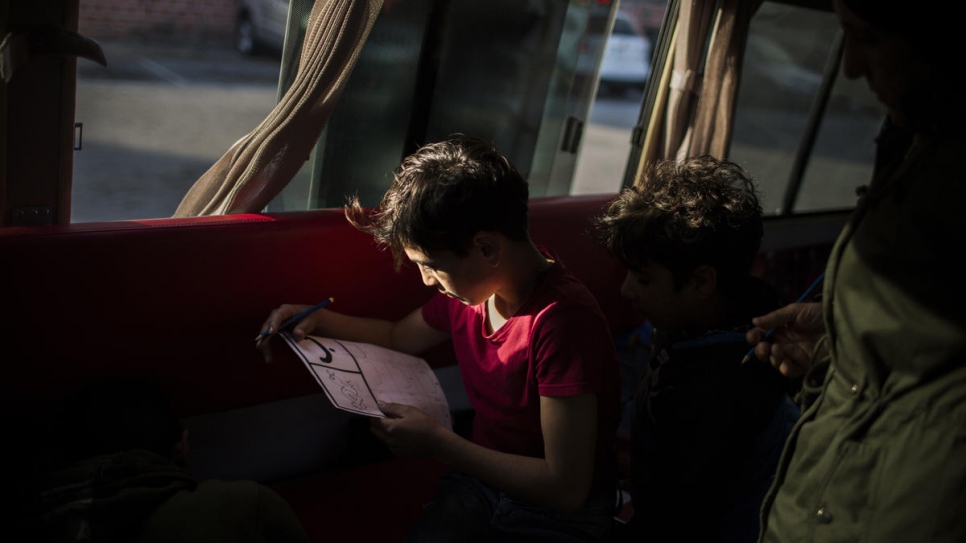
(706, 430)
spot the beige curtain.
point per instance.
(696, 98)
(694, 24)
(714, 123)
(258, 166)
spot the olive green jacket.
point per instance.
(880, 456)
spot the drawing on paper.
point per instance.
(355, 375)
(349, 391)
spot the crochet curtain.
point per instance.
(259, 165)
(697, 95)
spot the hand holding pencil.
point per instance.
(786, 337)
(270, 327)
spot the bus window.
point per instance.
(514, 73)
(168, 105)
(624, 70)
(785, 67)
(159, 115)
(837, 170)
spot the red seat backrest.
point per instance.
(182, 299)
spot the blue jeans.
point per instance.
(467, 510)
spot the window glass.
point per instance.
(177, 94)
(156, 118)
(787, 51)
(365, 137)
(519, 74)
(623, 27)
(623, 72)
(844, 149)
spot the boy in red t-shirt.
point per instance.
(536, 355)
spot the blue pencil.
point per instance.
(771, 333)
(294, 319)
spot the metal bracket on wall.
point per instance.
(17, 47)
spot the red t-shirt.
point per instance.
(557, 344)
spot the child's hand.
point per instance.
(798, 327)
(282, 314)
(408, 431)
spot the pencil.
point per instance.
(297, 317)
(771, 333)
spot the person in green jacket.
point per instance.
(879, 454)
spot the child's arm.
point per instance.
(411, 334)
(561, 480)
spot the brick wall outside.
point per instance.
(205, 20)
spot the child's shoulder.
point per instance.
(561, 287)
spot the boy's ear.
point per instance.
(705, 281)
(488, 245)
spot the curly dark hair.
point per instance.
(442, 195)
(700, 211)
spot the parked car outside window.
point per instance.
(626, 63)
(260, 26)
(627, 58)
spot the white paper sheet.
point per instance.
(353, 375)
